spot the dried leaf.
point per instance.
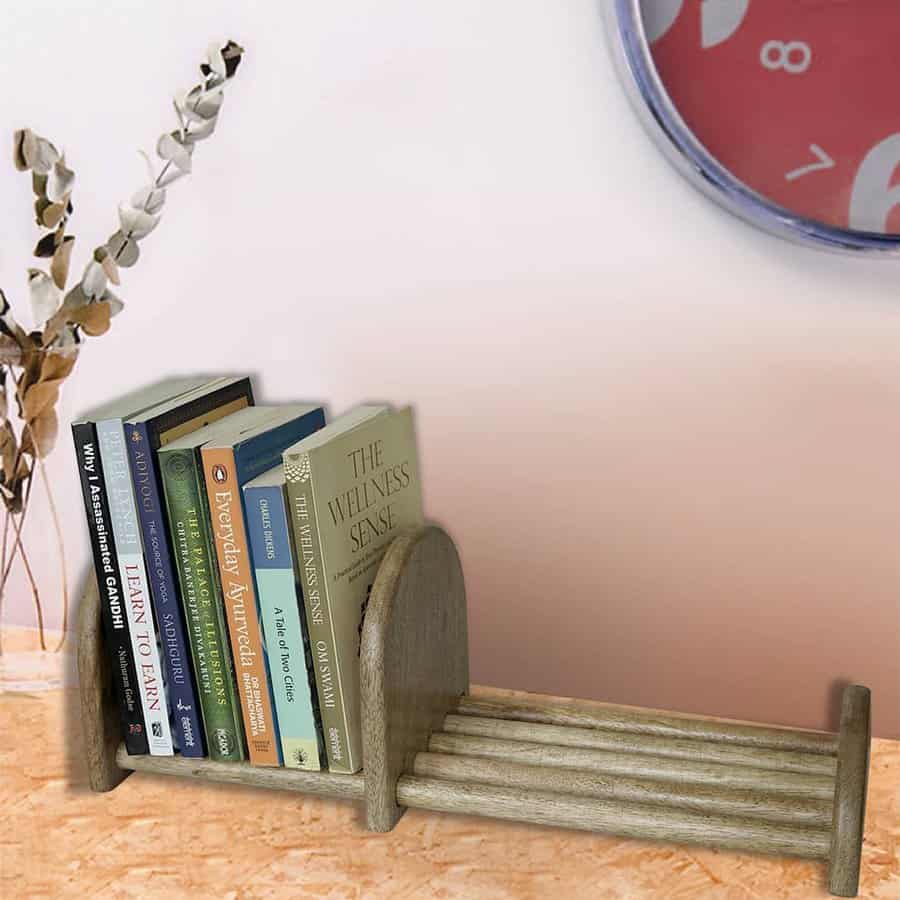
(232, 54)
(44, 157)
(200, 132)
(60, 182)
(50, 214)
(46, 246)
(56, 366)
(45, 296)
(40, 436)
(39, 184)
(93, 282)
(201, 102)
(93, 318)
(169, 148)
(101, 255)
(115, 304)
(136, 223)
(123, 250)
(39, 398)
(150, 199)
(10, 351)
(23, 148)
(9, 446)
(215, 61)
(59, 268)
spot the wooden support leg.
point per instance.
(414, 661)
(850, 792)
(100, 721)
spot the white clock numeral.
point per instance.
(824, 162)
(659, 16)
(794, 57)
(720, 19)
(874, 195)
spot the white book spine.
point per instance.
(127, 537)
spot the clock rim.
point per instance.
(634, 63)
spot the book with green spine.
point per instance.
(352, 488)
(188, 512)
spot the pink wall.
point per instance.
(666, 444)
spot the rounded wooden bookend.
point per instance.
(851, 782)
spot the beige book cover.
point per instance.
(352, 490)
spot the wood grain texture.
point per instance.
(99, 713)
(321, 784)
(634, 765)
(414, 661)
(850, 792)
(168, 839)
(614, 817)
(643, 744)
(637, 720)
(758, 804)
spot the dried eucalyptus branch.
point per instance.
(37, 362)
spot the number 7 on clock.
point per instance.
(824, 162)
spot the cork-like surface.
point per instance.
(161, 837)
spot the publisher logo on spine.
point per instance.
(219, 474)
(224, 741)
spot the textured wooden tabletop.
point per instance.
(159, 837)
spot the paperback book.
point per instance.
(283, 621)
(351, 488)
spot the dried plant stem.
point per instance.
(62, 553)
(3, 568)
(18, 548)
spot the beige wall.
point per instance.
(667, 444)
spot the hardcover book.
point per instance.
(145, 433)
(116, 610)
(351, 487)
(230, 460)
(283, 622)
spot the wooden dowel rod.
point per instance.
(324, 784)
(850, 792)
(609, 717)
(744, 804)
(701, 751)
(635, 765)
(613, 817)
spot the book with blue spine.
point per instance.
(283, 621)
(146, 432)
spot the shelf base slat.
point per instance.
(322, 784)
(615, 818)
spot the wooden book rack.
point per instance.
(619, 770)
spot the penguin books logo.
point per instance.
(219, 474)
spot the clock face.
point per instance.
(791, 106)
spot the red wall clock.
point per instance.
(784, 111)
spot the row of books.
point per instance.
(235, 548)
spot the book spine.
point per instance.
(117, 639)
(283, 626)
(194, 563)
(308, 553)
(188, 731)
(123, 516)
(223, 493)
